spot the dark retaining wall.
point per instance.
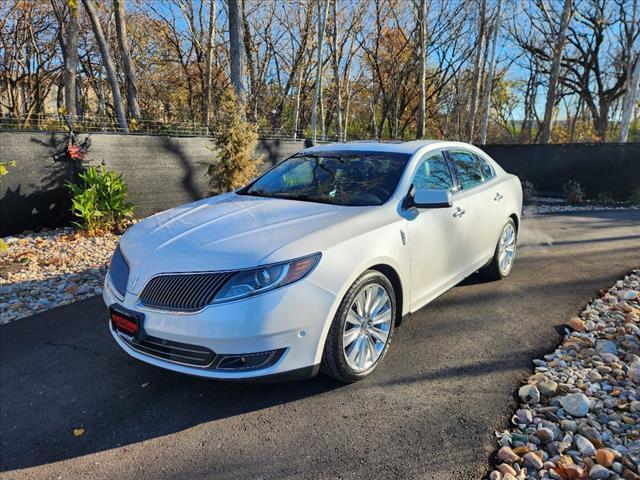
(612, 169)
(161, 172)
(166, 171)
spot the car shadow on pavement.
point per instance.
(62, 372)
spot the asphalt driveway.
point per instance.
(429, 412)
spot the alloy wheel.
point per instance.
(367, 327)
(507, 248)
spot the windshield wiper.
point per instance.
(305, 198)
(257, 193)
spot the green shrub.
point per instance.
(605, 198)
(634, 199)
(99, 201)
(573, 192)
(3, 167)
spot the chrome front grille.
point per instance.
(182, 292)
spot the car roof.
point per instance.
(409, 147)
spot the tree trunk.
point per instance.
(547, 123)
(423, 68)
(630, 99)
(125, 57)
(336, 72)
(489, 84)
(296, 106)
(70, 64)
(105, 53)
(602, 122)
(236, 40)
(323, 6)
(477, 66)
(208, 67)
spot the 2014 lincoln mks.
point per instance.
(312, 265)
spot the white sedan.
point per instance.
(312, 265)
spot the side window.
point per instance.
(468, 168)
(487, 170)
(433, 173)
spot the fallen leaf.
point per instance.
(78, 432)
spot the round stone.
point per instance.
(576, 324)
(506, 454)
(585, 446)
(634, 372)
(576, 404)
(533, 460)
(605, 457)
(529, 394)
(598, 471)
(548, 387)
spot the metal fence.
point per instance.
(103, 124)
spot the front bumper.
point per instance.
(292, 318)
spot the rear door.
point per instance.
(438, 236)
(479, 187)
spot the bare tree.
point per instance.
(125, 57)
(236, 47)
(554, 75)
(633, 76)
(70, 62)
(336, 71)
(206, 91)
(323, 6)
(422, 19)
(107, 61)
(495, 32)
(477, 68)
(629, 101)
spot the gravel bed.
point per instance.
(47, 269)
(580, 411)
(579, 208)
(560, 205)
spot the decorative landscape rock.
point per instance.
(47, 269)
(576, 404)
(579, 416)
(529, 394)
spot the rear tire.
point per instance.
(362, 328)
(504, 255)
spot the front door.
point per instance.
(437, 236)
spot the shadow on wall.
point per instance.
(188, 184)
(39, 197)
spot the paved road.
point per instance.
(429, 412)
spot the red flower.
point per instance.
(75, 152)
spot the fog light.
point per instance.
(249, 361)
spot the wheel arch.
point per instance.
(393, 276)
(516, 220)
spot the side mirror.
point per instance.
(426, 198)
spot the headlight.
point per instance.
(252, 282)
(119, 271)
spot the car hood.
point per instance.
(231, 231)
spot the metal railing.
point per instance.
(102, 124)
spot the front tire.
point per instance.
(362, 328)
(505, 253)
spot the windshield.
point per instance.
(340, 178)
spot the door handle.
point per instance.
(459, 212)
(498, 197)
